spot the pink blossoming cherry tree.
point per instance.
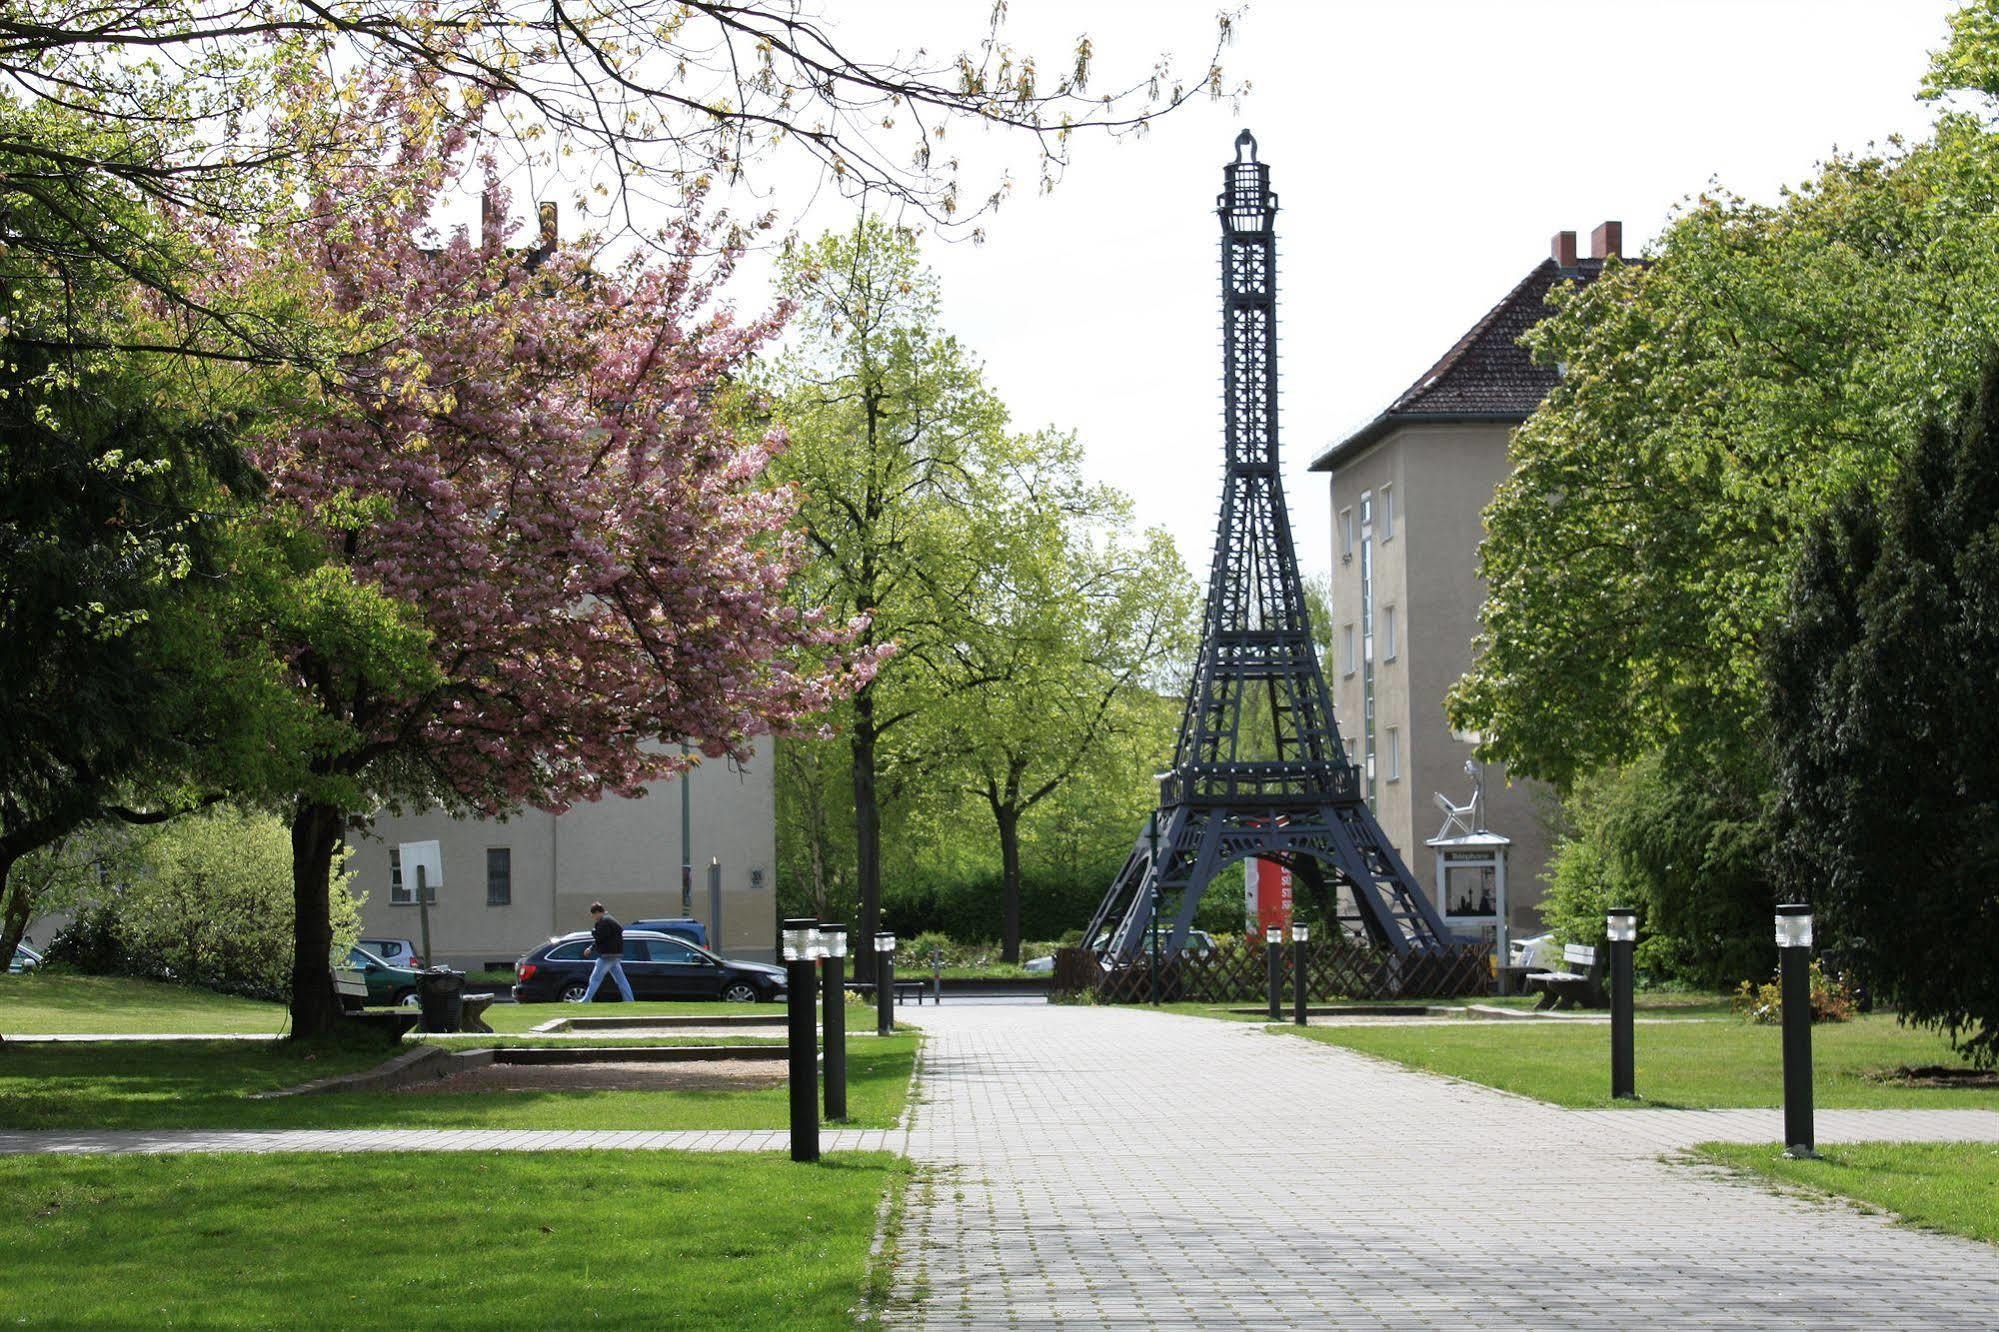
(538, 563)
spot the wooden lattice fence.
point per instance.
(1237, 972)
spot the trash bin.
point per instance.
(440, 993)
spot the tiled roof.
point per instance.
(1486, 376)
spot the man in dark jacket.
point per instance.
(607, 946)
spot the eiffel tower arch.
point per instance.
(1259, 769)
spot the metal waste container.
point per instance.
(440, 994)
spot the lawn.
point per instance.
(1720, 1063)
(486, 1240)
(197, 1084)
(53, 1003)
(1951, 1186)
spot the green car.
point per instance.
(386, 984)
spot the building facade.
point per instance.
(1409, 490)
(511, 883)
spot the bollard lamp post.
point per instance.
(884, 983)
(833, 1002)
(1273, 956)
(1300, 933)
(1794, 955)
(1621, 926)
(802, 951)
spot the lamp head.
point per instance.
(1794, 925)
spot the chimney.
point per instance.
(546, 242)
(1607, 240)
(1563, 250)
(489, 225)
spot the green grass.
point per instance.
(1951, 1186)
(1725, 1063)
(54, 1003)
(487, 1240)
(198, 1084)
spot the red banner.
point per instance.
(1266, 897)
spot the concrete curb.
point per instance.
(426, 1063)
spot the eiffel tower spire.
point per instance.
(1258, 769)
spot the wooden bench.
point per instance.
(391, 1024)
(1578, 985)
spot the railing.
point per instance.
(1238, 973)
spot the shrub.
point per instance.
(205, 900)
(1833, 999)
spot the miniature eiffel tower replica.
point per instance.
(1259, 770)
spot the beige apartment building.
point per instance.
(510, 884)
(1408, 492)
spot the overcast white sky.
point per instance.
(1423, 152)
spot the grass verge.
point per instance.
(201, 1084)
(55, 1003)
(1704, 1064)
(1949, 1186)
(628, 1239)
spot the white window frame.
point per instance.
(1388, 513)
(1346, 534)
(1394, 737)
(1391, 644)
(1349, 649)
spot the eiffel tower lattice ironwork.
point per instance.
(1259, 769)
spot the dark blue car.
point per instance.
(659, 966)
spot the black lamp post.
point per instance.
(884, 983)
(802, 950)
(1299, 934)
(1794, 954)
(1273, 956)
(833, 1000)
(1621, 926)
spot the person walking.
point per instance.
(607, 946)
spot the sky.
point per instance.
(1423, 152)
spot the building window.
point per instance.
(1346, 534)
(1349, 651)
(1388, 642)
(404, 894)
(499, 876)
(1394, 756)
(1387, 513)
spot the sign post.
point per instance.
(422, 864)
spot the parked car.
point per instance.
(387, 983)
(686, 927)
(659, 966)
(1199, 943)
(395, 952)
(24, 959)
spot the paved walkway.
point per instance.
(1109, 1167)
(153, 1141)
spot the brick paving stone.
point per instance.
(1100, 1167)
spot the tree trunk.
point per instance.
(14, 921)
(315, 834)
(1008, 819)
(867, 835)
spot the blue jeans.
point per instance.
(614, 966)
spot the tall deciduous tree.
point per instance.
(579, 564)
(896, 444)
(1067, 640)
(1887, 741)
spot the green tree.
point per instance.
(1713, 401)
(1068, 640)
(896, 445)
(1886, 739)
